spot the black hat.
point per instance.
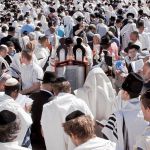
(133, 83)
(130, 15)
(131, 46)
(49, 77)
(79, 18)
(11, 29)
(74, 115)
(105, 40)
(7, 117)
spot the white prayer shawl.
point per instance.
(125, 33)
(12, 146)
(97, 144)
(98, 93)
(7, 103)
(143, 141)
(54, 114)
(133, 10)
(144, 39)
(134, 125)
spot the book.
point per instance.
(137, 65)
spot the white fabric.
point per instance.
(12, 146)
(125, 33)
(53, 116)
(97, 144)
(98, 93)
(134, 123)
(144, 140)
(144, 39)
(7, 103)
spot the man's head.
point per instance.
(132, 50)
(11, 31)
(9, 126)
(3, 80)
(3, 50)
(61, 85)
(79, 127)
(134, 36)
(26, 57)
(48, 80)
(132, 86)
(11, 47)
(140, 26)
(12, 88)
(119, 23)
(145, 105)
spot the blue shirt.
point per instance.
(28, 27)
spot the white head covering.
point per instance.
(98, 93)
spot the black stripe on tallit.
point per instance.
(112, 130)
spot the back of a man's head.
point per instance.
(80, 128)
(9, 126)
(61, 85)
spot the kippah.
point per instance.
(7, 117)
(11, 82)
(74, 115)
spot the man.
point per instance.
(143, 37)
(7, 103)
(101, 28)
(40, 98)
(3, 63)
(9, 129)
(81, 129)
(10, 37)
(118, 26)
(28, 27)
(98, 94)
(125, 125)
(63, 104)
(30, 73)
(143, 142)
(134, 37)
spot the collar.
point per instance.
(47, 91)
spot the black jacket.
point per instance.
(39, 99)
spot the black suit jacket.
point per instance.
(39, 99)
(12, 39)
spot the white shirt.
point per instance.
(60, 107)
(101, 29)
(12, 146)
(97, 144)
(30, 74)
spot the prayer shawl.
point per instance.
(97, 144)
(125, 33)
(143, 141)
(98, 93)
(125, 125)
(54, 114)
(7, 103)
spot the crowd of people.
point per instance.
(41, 109)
